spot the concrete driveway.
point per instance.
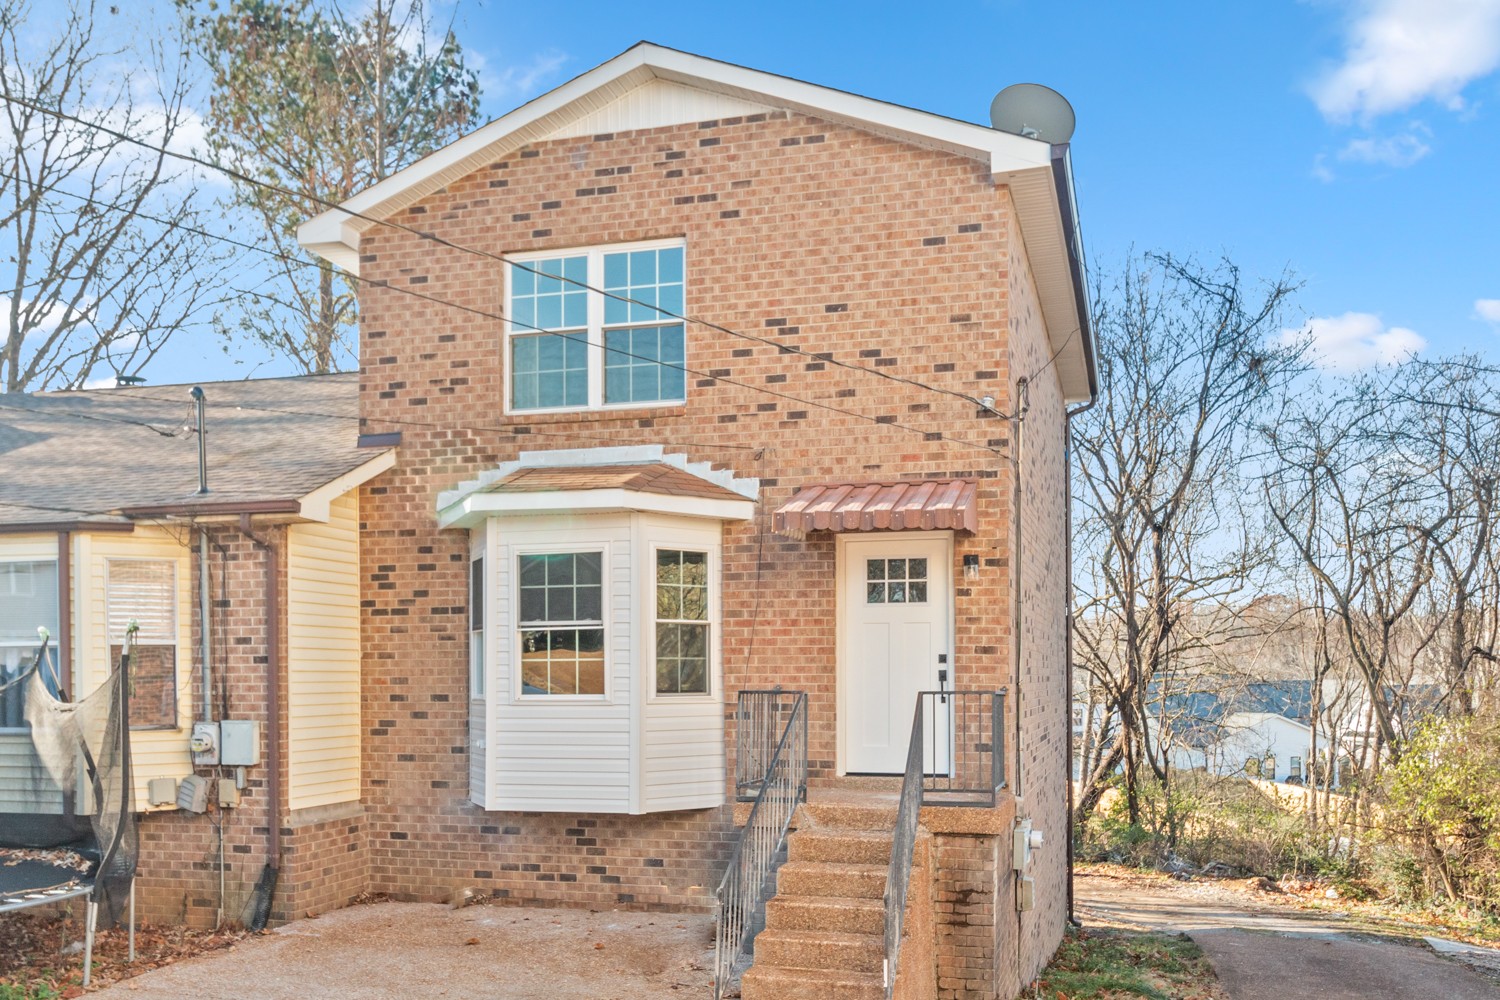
(1270, 954)
(394, 951)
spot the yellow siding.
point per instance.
(155, 753)
(323, 658)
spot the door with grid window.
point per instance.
(895, 638)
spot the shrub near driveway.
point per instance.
(1106, 965)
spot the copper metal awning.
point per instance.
(910, 505)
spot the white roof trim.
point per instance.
(466, 504)
(316, 505)
(478, 506)
(334, 234)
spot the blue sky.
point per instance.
(1357, 144)
(1354, 143)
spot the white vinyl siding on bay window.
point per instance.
(574, 612)
(595, 329)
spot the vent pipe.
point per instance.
(198, 398)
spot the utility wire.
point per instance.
(442, 241)
(579, 338)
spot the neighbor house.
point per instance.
(102, 523)
(704, 380)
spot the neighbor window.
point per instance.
(596, 328)
(145, 591)
(1268, 767)
(1252, 767)
(562, 623)
(681, 622)
(28, 600)
(1294, 769)
(476, 627)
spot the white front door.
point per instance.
(894, 637)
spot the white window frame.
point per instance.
(648, 635)
(513, 622)
(594, 335)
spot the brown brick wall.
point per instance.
(323, 864)
(809, 234)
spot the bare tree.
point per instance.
(100, 267)
(1188, 360)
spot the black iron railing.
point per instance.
(760, 719)
(750, 879)
(956, 757)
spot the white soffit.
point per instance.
(334, 234)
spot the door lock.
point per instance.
(943, 678)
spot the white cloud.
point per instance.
(1488, 310)
(1402, 52)
(1354, 341)
(1401, 150)
(516, 82)
(100, 382)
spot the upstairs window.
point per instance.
(589, 329)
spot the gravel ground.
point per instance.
(387, 951)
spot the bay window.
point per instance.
(561, 623)
(145, 591)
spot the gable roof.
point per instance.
(650, 85)
(99, 458)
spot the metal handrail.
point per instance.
(957, 760)
(749, 880)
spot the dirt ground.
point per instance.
(386, 951)
(1266, 945)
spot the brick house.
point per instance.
(681, 384)
(757, 348)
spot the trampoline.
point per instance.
(84, 745)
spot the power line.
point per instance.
(290, 258)
(500, 258)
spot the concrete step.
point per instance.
(826, 913)
(820, 949)
(826, 878)
(863, 847)
(840, 809)
(767, 983)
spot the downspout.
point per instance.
(273, 693)
(1068, 416)
(203, 589)
(1023, 404)
(65, 612)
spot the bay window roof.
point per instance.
(600, 480)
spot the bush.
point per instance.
(1442, 808)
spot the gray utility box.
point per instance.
(239, 743)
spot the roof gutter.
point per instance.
(188, 508)
(1067, 204)
(34, 527)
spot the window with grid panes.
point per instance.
(476, 628)
(590, 328)
(896, 581)
(561, 623)
(682, 640)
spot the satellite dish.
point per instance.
(1033, 111)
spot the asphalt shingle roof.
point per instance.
(87, 455)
